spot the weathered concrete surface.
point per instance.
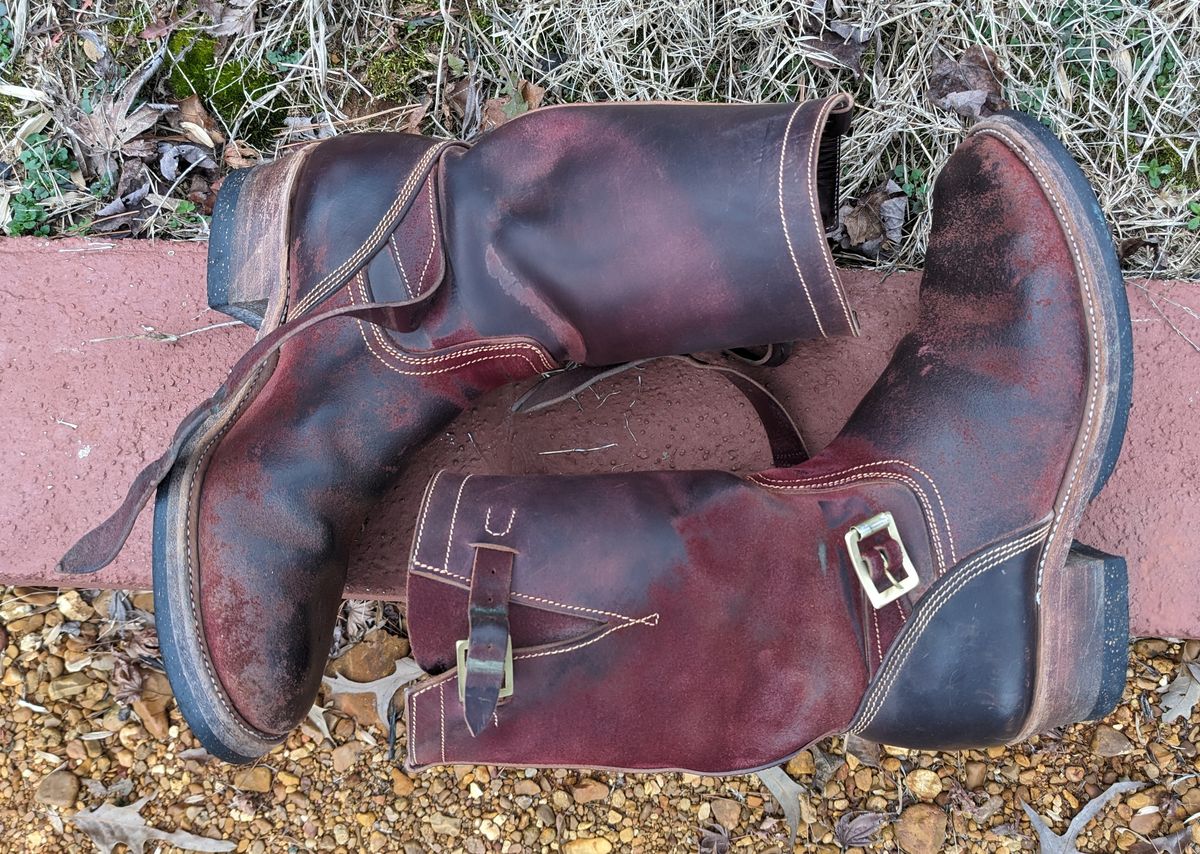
(89, 395)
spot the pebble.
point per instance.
(71, 605)
(976, 774)
(372, 658)
(254, 779)
(345, 755)
(445, 825)
(921, 829)
(592, 845)
(727, 812)
(151, 707)
(70, 685)
(588, 791)
(1108, 742)
(58, 789)
(402, 784)
(924, 784)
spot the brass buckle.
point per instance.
(899, 586)
(506, 688)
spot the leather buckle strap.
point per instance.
(891, 557)
(485, 670)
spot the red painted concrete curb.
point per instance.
(94, 383)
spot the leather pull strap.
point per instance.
(488, 645)
(787, 445)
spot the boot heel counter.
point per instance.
(961, 672)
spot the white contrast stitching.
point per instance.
(496, 351)
(433, 240)
(783, 220)
(454, 520)
(598, 611)
(400, 263)
(442, 705)
(1060, 510)
(487, 523)
(812, 203)
(332, 280)
(970, 570)
(772, 483)
(936, 492)
(651, 621)
(425, 511)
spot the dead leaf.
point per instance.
(113, 122)
(383, 689)
(842, 51)
(170, 154)
(787, 793)
(316, 716)
(714, 839)
(1175, 843)
(235, 18)
(412, 120)
(522, 98)
(132, 189)
(825, 766)
(874, 223)
(108, 826)
(165, 25)
(240, 155)
(195, 121)
(969, 86)
(1181, 695)
(1130, 246)
(867, 752)
(858, 829)
(1052, 843)
(119, 789)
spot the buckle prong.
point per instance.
(899, 586)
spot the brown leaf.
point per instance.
(874, 224)
(969, 86)
(496, 111)
(113, 122)
(109, 826)
(240, 155)
(858, 829)
(843, 52)
(235, 18)
(412, 121)
(1175, 843)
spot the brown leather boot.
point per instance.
(911, 583)
(397, 279)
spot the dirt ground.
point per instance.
(91, 722)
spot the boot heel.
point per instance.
(247, 246)
(1087, 630)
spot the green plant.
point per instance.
(6, 36)
(914, 183)
(227, 88)
(1193, 208)
(47, 169)
(1155, 171)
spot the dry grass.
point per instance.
(1116, 80)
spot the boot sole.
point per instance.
(247, 279)
(1083, 626)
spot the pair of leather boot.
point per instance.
(914, 582)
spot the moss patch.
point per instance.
(225, 88)
(400, 73)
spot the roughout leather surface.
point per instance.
(967, 440)
(125, 396)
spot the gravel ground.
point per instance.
(91, 722)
